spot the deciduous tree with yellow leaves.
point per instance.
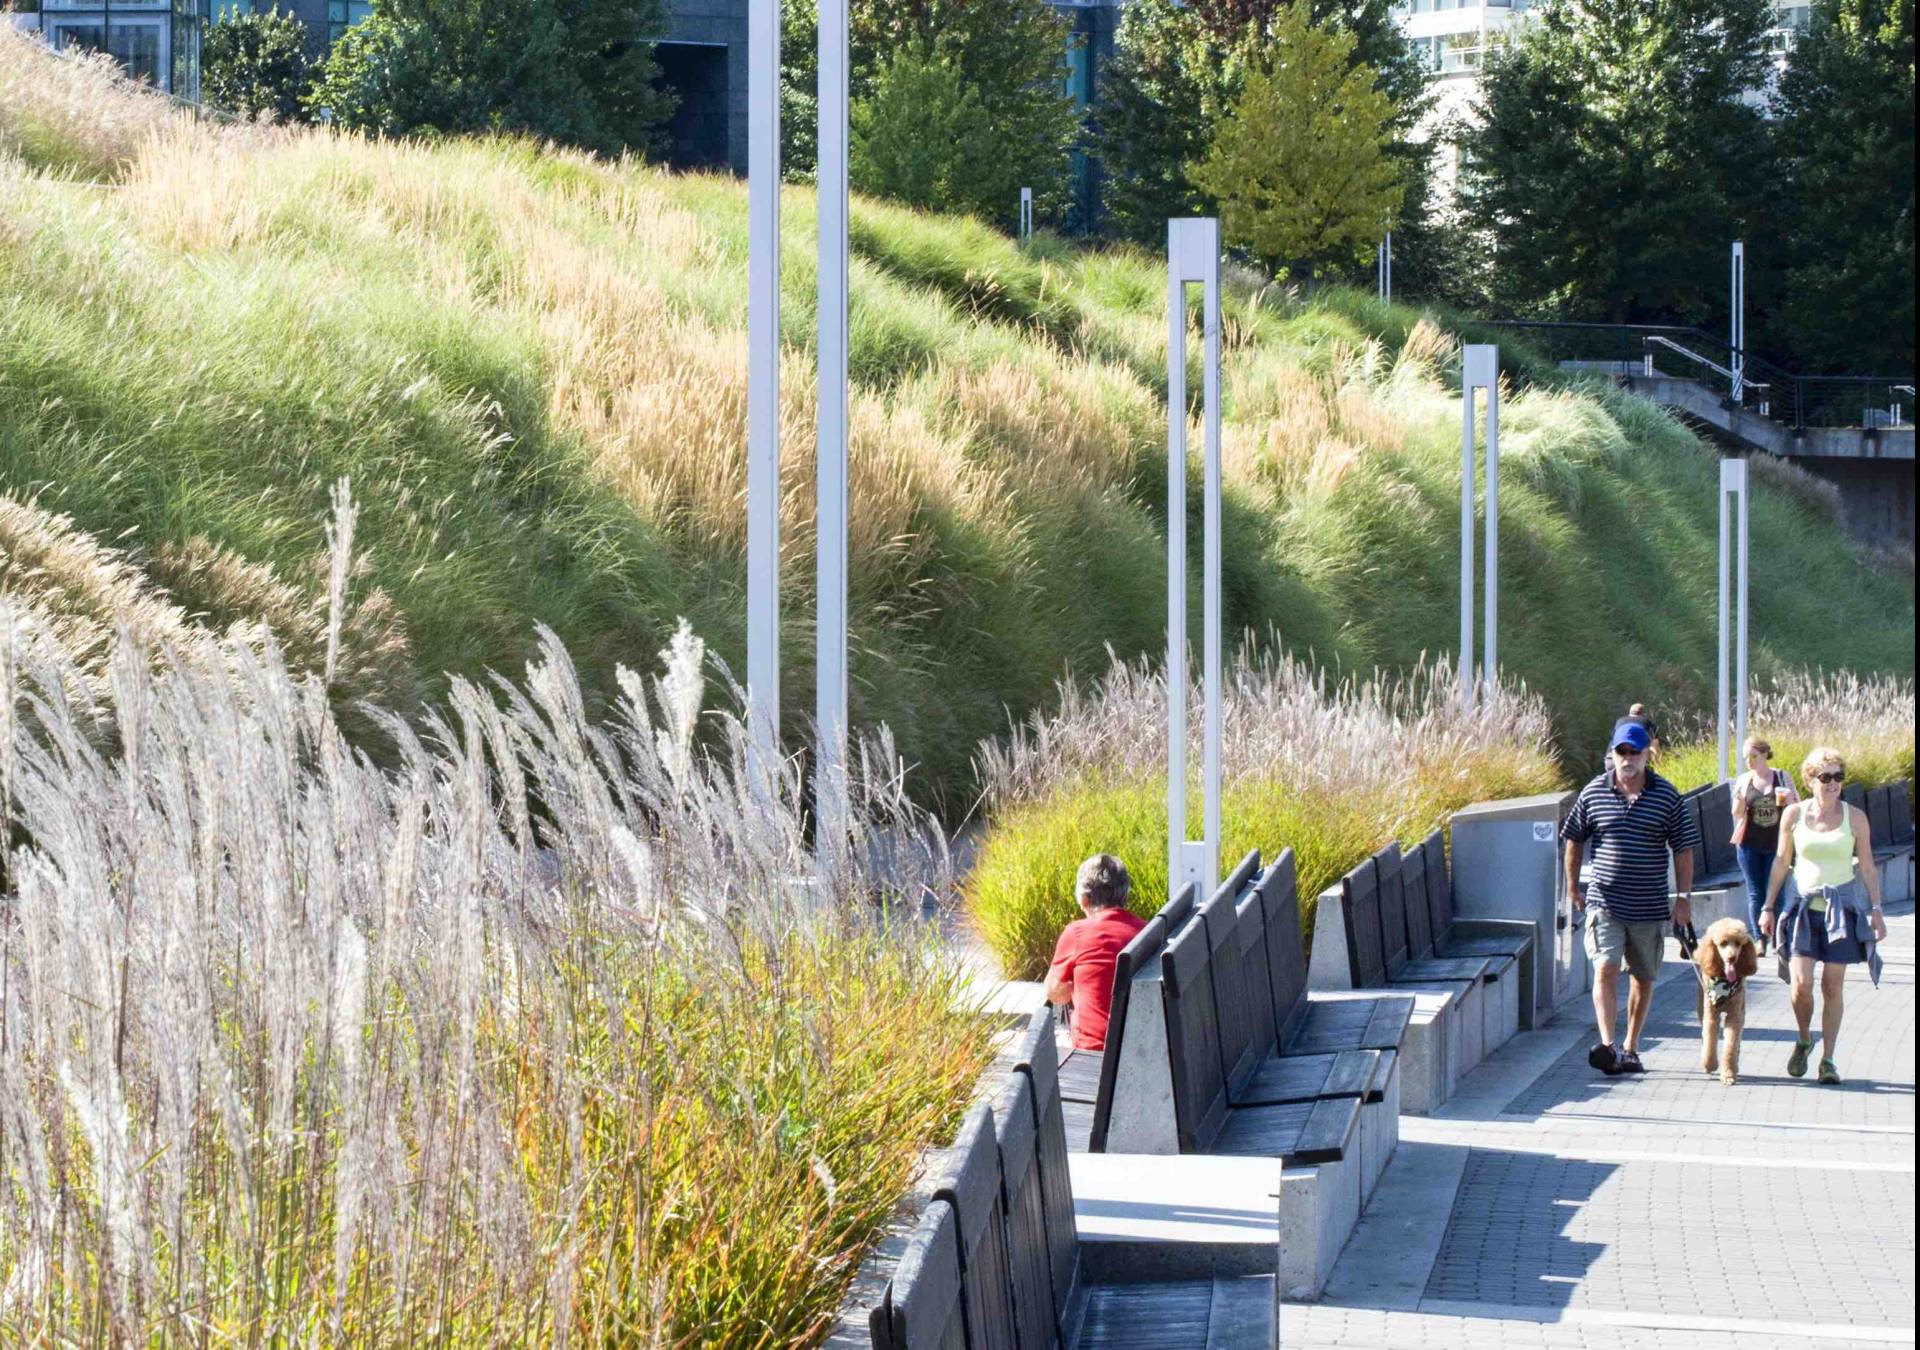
(1300, 165)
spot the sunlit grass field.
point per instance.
(533, 366)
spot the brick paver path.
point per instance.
(1550, 1206)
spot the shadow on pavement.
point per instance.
(1506, 1240)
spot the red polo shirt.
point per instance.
(1086, 954)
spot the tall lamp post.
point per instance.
(831, 418)
(1737, 332)
(763, 381)
(1479, 371)
(1733, 551)
(1193, 255)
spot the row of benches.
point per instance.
(997, 1263)
(1219, 1051)
(1390, 924)
(1215, 1046)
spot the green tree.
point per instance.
(1178, 66)
(914, 139)
(1152, 123)
(1617, 153)
(1846, 214)
(1301, 164)
(574, 71)
(256, 65)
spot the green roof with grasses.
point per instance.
(532, 365)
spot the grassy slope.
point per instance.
(533, 366)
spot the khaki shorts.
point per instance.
(1610, 942)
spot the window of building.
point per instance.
(344, 14)
(137, 41)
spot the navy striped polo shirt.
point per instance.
(1630, 844)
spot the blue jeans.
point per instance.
(1755, 866)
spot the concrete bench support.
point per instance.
(1444, 1030)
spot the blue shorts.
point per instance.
(1803, 930)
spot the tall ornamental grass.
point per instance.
(1870, 720)
(563, 1032)
(1330, 768)
(533, 364)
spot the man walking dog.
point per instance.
(1634, 819)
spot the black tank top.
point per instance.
(1763, 817)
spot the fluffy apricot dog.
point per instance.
(1726, 957)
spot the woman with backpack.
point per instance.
(1760, 795)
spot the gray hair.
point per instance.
(1103, 882)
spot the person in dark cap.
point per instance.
(1635, 820)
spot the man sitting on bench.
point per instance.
(1083, 960)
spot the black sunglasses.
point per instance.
(1840, 777)
(1621, 751)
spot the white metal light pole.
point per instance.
(1383, 267)
(831, 417)
(1026, 213)
(1193, 255)
(1479, 370)
(1734, 549)
(1738, 323)
(763, 379)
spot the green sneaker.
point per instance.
(1828, 1074)
(1797, 1061)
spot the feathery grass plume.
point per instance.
(1332, 768)
(1870, 719)
(548, 1034)
(79, 114)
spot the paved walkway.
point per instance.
(1548, 1205)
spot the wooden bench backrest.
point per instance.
(1439, 887)
(1880, 816)
(973, 1187)
(1036, 1060)
(1142, 948)
(1413, 879)
(1036, 1321)
(1366, 955)
(1250, 950)
(1241, 1046)
(1193, 1040)
(921, 1310)
(1286, 946)
(1393, 908)
(1716, 830)
(1854, 794)
(1900, 813)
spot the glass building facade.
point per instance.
(157, 41)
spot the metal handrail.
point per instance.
(1794, 400)
(1712, 365)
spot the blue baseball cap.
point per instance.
(1630, 734)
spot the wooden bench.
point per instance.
(1243, 973)
(997, 1261)
(1434, 927)
(1716, 867)
(1890, 817)
(1298, 1049)
(1274, 1107)
(1446, 1035)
